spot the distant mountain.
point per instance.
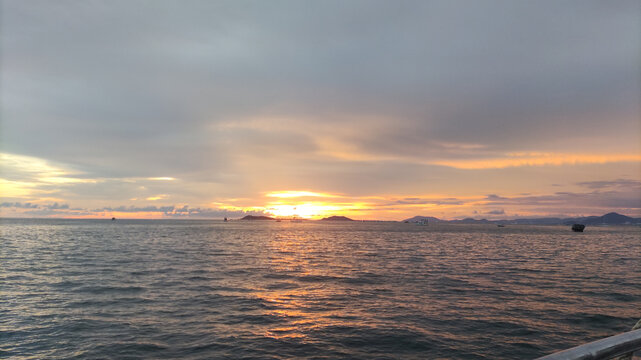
(473, 221)
(336, 218)
(253, 217)
(429, 219)
(607, 219)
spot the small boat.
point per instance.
(500, 225)
(578, 227)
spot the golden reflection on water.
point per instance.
(306, 282)
(309, 281)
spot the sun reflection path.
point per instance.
(302, 284)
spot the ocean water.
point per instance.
(90, 289)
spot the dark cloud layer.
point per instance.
(611, 184)
(627, 199)
(19, 205)
(118, 79)
(237, 98)
(170, 211)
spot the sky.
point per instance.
(368, 109)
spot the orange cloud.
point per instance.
(296, 194)
(157, 197)
(537, 159)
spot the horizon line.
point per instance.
(282, 218)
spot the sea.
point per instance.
(183, 289)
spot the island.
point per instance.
(337, 218)
(254, 217)
(607, 219)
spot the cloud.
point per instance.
(496, 212)
(19, 209)
(611, 184)
(421, 73)
(184, 211)
(103, 101)
(157, 197)
(169, 211)
(162, 178)
(495, 197)
(570, 202)
(19, 205)
(427, 201)
(298, 194)
(56, 206)
(538, 159)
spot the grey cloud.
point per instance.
(35, 210)
(610, 184)
(211, 213)
(494, 197)
(180, 211)
(134, 209)
(496, 212)
(172, 211)
(50, 212)
(56, 206)
(594, 199)
(28, 205)
(19, 205)
(135, 83)
(421, 201)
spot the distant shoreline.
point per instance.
(610, 219)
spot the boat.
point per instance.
(625, 345)
(578, 227)
(500, 225)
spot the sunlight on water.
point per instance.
(196, 289)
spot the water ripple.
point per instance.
(193, 289)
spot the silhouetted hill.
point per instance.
(429, 219)
(472, 221)
(254, 217)
(336, 218)
(607, 219)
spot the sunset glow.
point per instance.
(539, 159)
(297, 194)
(306, 210)
(295, 204)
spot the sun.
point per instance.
(308, 204)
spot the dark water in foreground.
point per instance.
(197, 290)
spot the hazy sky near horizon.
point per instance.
(371, 109)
